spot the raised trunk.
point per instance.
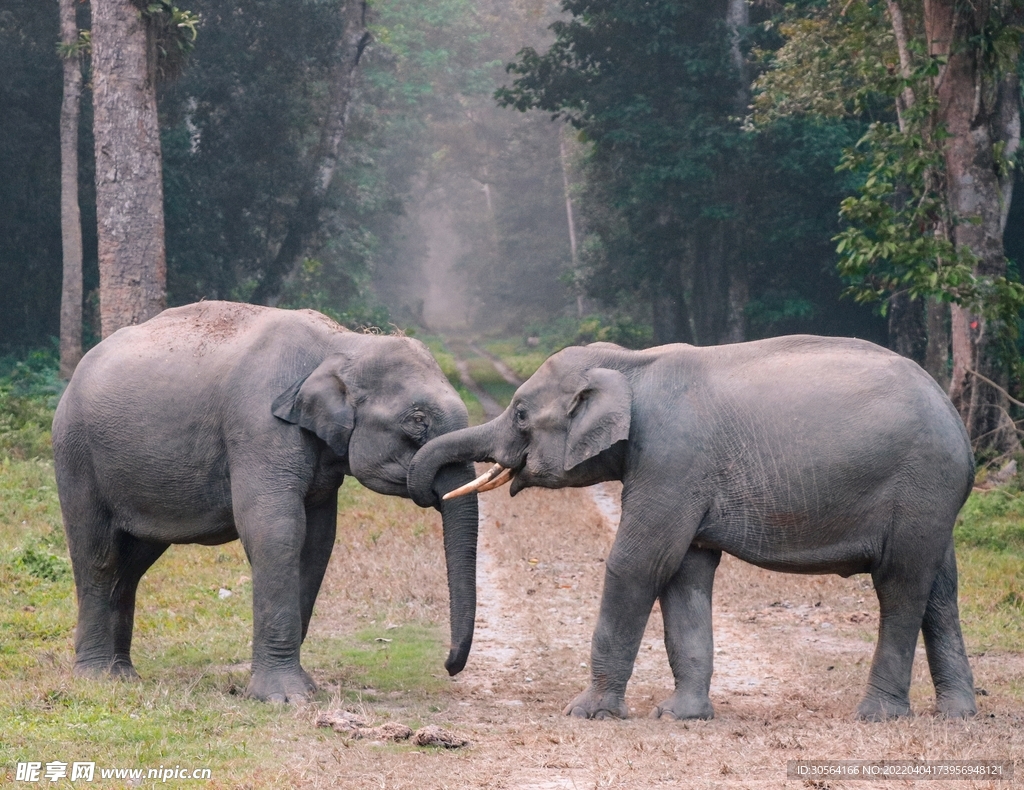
(70, 216)
(129, 181)
(980, 111)
(305, 219)
(461, 524)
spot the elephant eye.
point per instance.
(416, 425)
(520, 414)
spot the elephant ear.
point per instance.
(599, 415)
(320, 403)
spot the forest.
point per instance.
(639, 172)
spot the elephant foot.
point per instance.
(123, 669)
(592, 704)
(282, 685)
(956, 706)
(873, 708)
(684, 706)
(96, 669)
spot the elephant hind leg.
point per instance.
(944, 644)
(108, 565)
(903, 581)
(686, 610)
(135, 557)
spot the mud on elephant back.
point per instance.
(799, 454)
(218, 421)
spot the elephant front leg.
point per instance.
(321, 527)
(686, 610)
(274, 548)
(631, 584)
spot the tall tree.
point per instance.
(129, 183)
(70, 215)
(978, 93)
(305, 218)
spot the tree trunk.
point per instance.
(70, 216)
(738, 291)
(908, 329)
(670, 317)
(129, 179)
(571, 222)
(305, 220)
(978, 110)
(936, 357)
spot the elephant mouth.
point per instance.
(495, 477)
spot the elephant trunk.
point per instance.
(457, 447)
(461, 523)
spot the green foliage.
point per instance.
(29, 388)
(80, 47)
(835, 60)
(36, 559)
(315, 288)
(174, 31)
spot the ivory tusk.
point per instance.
(497, 482)
(469, 488)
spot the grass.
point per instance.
(520, 358)
(990, 554)
(490, 381)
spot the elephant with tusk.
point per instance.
(799, 454)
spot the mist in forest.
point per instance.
(483, 244)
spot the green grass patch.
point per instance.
(990, 555)
(29, 389)
(519, 358)
(384, 660)
(484, 373)
(993, 520)
(991, 598)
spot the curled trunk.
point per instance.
(457, 447)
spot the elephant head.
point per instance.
(375, 402)
(566, 426)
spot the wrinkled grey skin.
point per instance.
(218, 421)
(798, 454)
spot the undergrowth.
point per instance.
(29, 389)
